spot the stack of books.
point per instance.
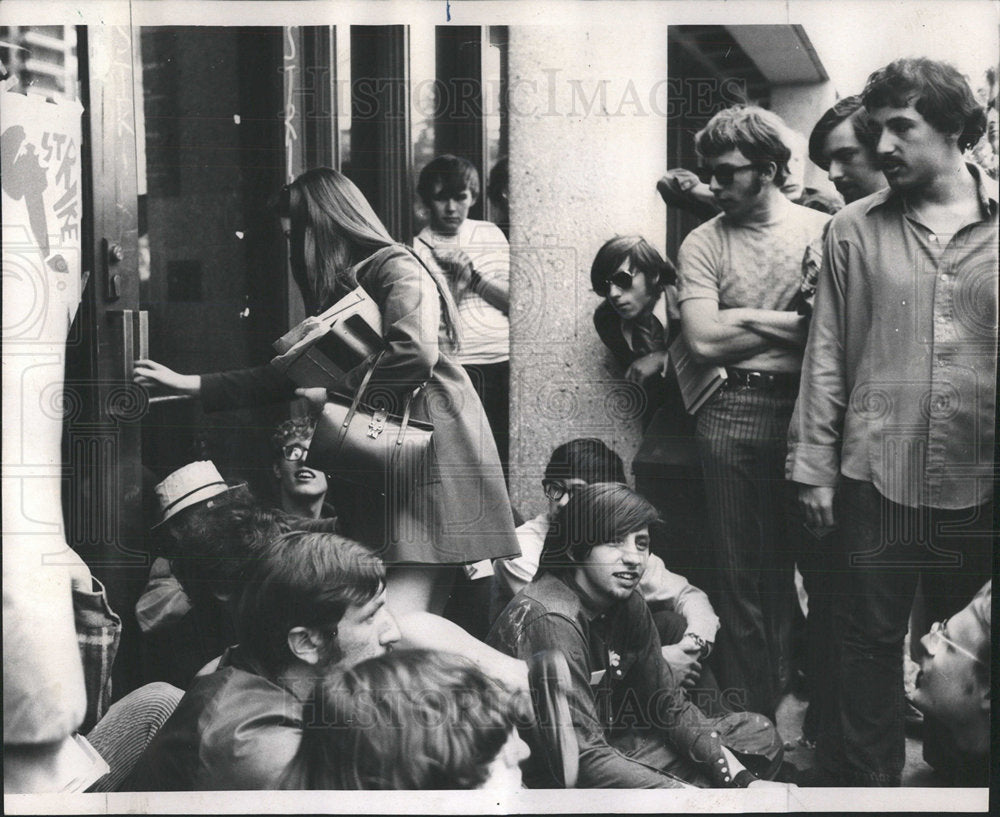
(319, 351)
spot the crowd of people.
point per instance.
(850, 441)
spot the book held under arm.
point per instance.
(697, 381)
(320, 350)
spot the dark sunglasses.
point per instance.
(294, 452)
(724, 174)
(620, 278)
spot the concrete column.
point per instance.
(588, 140)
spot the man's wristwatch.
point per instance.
(703, 645)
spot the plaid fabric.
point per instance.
(98, 630)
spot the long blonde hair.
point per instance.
(333, 230)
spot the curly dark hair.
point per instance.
(937, 91)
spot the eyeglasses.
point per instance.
(724, 174)
(621, 278)
(555, 490)
(939, 630)
(294, 452)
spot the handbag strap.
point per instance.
(359, 394)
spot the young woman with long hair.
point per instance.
(460, 513)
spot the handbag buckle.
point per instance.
(377, 423)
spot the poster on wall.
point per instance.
(41, 216)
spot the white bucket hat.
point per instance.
(190, 485)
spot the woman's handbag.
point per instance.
(370, 447)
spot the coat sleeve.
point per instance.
(815, 430)
(411, 321)
(609, 330)
(662, 585)
(239, 388)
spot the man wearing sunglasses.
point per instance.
(740, 274)
(301, 490)
(638, 318)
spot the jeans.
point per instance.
(754, 535)
(884, 548)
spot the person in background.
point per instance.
(301, 490)
(843, 143)
(634, 725)
(336, 244)
(896, 414)
(683, 615)
(475, 258)
(411, 720)
(497, 192)
(740, 276)
(953, 691)
(639, 318)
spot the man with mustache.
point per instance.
(893, 433)
(740, 277)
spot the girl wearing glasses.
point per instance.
(462, 513)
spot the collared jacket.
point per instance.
(620, 687)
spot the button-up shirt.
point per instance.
(899, 377)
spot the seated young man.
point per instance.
(634, 725)
(683, 614)
(953, 692)
(313, 602)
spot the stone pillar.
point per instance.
(588, 141)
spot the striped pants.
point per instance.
(754, 536)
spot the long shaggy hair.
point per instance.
(937, 91)
(595, 515)
(642, 255)
(412, 719)
(333, 230)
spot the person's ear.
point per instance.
(770, 170)
(306, 644)
(276, 470)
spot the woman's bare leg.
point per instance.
(418, 588)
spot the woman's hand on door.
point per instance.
(149, 373)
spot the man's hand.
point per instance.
(684, 659)
(645, 367)
(150, 373)
(816, 502)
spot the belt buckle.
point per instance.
(755, 380)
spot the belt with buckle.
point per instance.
(762, 381)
